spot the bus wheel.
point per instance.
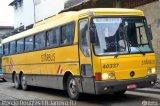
(24, 82)
(16, 82)
(4, 80)
(72, 88)
(120, 93)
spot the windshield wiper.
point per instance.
(138, 48)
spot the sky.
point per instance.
(6, 13)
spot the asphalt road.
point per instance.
(9, 96)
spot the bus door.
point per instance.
(87, 79)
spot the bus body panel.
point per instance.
(124, 64)
(42, 70)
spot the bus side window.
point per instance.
(20, 46)
(84, 37)
(6, 49)
(67, 34)
(29, 43)
(40, 40)
(12, 47)
(53, 37)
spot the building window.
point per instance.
(12, 47)
(20, 46)
(15, 6)
(17, 3)
(29, 43)
(53, 37)
(40, 40)
(67, 34)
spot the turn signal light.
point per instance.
(98, 76)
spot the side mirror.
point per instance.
(150, 32)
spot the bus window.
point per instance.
(29, 43)
(6, 49)
(12, 47)
(20, 46)
(53, 37)
(67, 34)
(40, 40)
(84, 37)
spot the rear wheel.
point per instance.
(72, 88)
(4, 80)
(24, 82)
(16, 82)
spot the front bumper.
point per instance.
(111, 86)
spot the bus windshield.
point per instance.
(120, 35)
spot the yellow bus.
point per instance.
(95, 51)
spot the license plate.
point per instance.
(132, 86)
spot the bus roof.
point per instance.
(66, 17)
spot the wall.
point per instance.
(32, 11)
(4, 30)
(47, 8)
(24, 14)
(152, 14)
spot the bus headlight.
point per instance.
(151, 71)
(110, 75)
(104, 76)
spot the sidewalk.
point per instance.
(158, 80)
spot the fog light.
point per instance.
(105, 88)
(152, 82)
(149, 71)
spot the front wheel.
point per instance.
(24, 82)
(120, 93)
(3, 80)
(72, 88)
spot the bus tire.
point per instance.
(120, 93)
(24, 82)
(72, 88)
(16, 81)
(4, 80)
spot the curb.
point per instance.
(157, 85)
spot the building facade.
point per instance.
(4, 30)
(27, 12)
(151, 11)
